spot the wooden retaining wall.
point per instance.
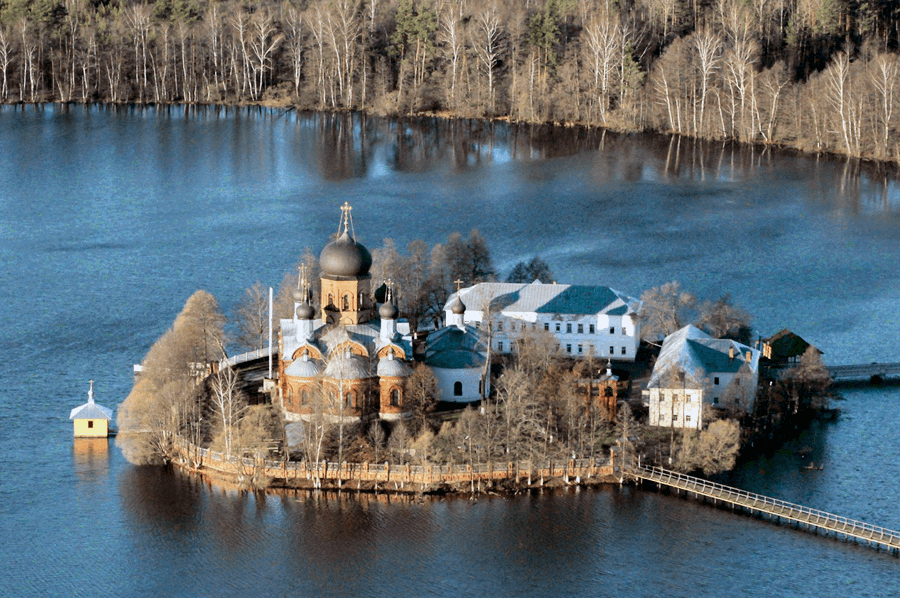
(200, 459)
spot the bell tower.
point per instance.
(346, 282)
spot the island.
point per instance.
(389, 374)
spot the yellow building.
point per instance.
(91, 420)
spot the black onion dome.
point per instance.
(388, 311)
(305, 311)
(345, 257)
(457, 307)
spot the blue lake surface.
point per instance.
(111, 218)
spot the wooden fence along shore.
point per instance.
(200, 459)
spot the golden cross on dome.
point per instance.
(347, 220)
(458, 282)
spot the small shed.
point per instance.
(91, 420)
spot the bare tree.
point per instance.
(712, 450)
(453, 45)
(5, 60)
(229, 404)
(708, 46)
(294, 28)
(721, 318)
(884, 74)
(264, 39)
(253, 317)
(487, 46)
(664, 310)
(603, 44)
(420, 395)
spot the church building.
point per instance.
(350, 358)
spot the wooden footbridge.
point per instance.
(864, 372)
(777, 510)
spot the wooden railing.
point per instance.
(782, 509)
(864, 371)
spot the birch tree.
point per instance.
(5, 60)
(603, 44)
(487, 45)
(884, 73)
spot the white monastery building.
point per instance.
(581, 318)
(694, 369)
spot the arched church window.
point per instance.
(350, 399)
(608, 392)
(330, 299)
(346, 302)
(395, 397)
(457, 389)
(304, 397)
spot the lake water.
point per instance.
(110, 219)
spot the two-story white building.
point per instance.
(581, 318)
(694, 369)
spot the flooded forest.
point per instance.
(817, 75)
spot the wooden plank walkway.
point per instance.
(863, 371)
(816, 520)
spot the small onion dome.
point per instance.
(457, 307)
(347, 368)
(388, 311)
(305, 311)
(345, 257)
(303, 368)
(388, 367)
(298, 295)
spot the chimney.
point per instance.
(730, 352)
(749, 356)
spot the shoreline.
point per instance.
(286, 106)
(477, 479)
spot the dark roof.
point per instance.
(345, 257)
(786, 345)
(455, 359)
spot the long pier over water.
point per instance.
(864, 372)
(778, 510)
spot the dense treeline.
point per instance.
(815, 74)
